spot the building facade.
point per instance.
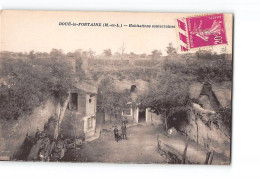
(83, 99)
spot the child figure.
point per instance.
(116, 133)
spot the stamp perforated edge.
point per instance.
(198, 48)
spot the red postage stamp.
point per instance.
(202, 31)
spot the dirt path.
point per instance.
(141, 147)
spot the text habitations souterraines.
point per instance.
(151, 26)
(87, 24)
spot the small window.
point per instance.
(127, 112)
(89, 101)
(90, 123)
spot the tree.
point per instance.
(117, 55)
(168, 96)
(78, 53)
(143, 55)
(109, 100)
(122, 50)
(84, 54)
(156, 54)
(225, 114)
(170, 50)
(107, 52)
(91, 54)
(31, 54)
(132, 55)
(56, 54)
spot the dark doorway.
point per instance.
(74, 101)
(180, 120)
(133, 87)
(141, 115)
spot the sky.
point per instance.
(23, 31)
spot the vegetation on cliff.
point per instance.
(28, 80)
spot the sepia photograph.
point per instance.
(116, 87)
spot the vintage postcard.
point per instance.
(116, 87)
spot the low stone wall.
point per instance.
(92, 62)
(179, 149)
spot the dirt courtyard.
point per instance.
(140, 147)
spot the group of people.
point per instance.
(123, 134)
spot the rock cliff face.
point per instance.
(202, 129)
(205, 134)
(13, 132)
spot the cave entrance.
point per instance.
(142, 115)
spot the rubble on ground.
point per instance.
(44, 148)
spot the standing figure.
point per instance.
(37, 134)
(116, 133)
(123, 128)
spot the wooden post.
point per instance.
(151, 118)
(184, 152)
(59, 118)
(211, 157)
(166, 123)
(207, 158)
(197, 133)
(196, 121)
(166, 126)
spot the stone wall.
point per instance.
(90, 105)
(92, 62)
(153, 118)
